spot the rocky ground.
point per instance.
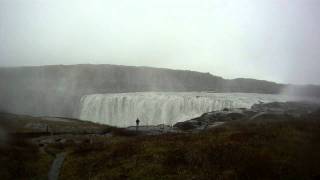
(274, 110)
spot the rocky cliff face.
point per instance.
(56, 90)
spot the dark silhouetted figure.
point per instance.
(137, 124)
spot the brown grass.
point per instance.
(20, 159)
(287, 149)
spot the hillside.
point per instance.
(56, 90)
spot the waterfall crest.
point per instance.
(153, 108)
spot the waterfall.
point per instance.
(153, 108)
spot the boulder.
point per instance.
(189, 125)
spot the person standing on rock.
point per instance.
(137, 124)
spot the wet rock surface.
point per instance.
(153, 130)
(261, 111)
(210, 119)
(295, 109)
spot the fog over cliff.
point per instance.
(57, 90)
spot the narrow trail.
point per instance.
(257, 115)
(56, 166)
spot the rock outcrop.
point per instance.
(211, 118)
(262, 111)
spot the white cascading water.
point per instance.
(153, 108)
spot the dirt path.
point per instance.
(56, 166)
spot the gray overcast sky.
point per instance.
(275, 40)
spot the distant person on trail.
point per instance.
(137, 124)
